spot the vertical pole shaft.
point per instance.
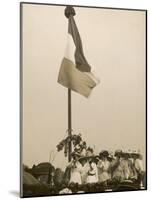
(69, 11)
(69, 124)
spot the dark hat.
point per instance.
(126, 155)
(118, 152)
(104, 153)
(93, 158)
(82, 158)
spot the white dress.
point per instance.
(138, 165)
(92, 174)
(103, 167)
(84, 172)
(75, 176)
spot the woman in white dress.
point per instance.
(75, 172)
(116, 167)
(85, 169)
(103, 167)
(92, 176)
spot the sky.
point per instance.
(113, 117)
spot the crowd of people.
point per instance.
(87, 168)
(88, 173)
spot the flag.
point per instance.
(75, 72)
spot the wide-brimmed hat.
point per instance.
(93, 158)
(104, 153)
(126, 154)
(136, 154)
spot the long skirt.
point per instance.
(104, 176)
(75, 177)
(92, 179)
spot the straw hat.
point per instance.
(136, 153)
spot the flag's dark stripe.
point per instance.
(80, 60)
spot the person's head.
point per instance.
(89, 151)
(126, 155)
(110, 158)
(135, 155)
(103, 155)
(91, 160)
(94, 159)
(118, 154)
(84, 145)
(100, 156)
(83, 161)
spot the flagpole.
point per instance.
(69, 11)
(69, 124)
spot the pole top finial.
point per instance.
(69, 11)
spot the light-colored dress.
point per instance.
(138, 165)
(117, 170)
(126, 169)
(75, 176)
(103, 167)
(131, 169)
(84, 172)
(92, 173)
